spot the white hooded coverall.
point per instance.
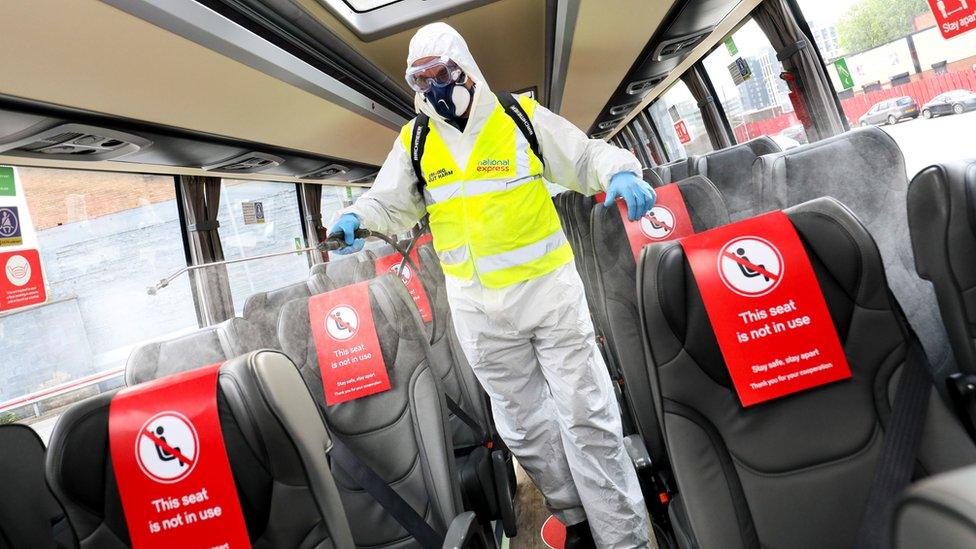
(532, 344)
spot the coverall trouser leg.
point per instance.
(533, 348)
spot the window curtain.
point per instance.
(312, 203)
(211, 286)
(796, 51)
(711, 116)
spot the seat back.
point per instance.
(938, 513)
(730, 169)
(652, 177)
(29, 514)
(942, 223)
(676, 171)
(865, 170)
(261, 309)
(209, 345)
(277, 447)
(795, 471)
(617, 287)
(344, 270)
(401, 433)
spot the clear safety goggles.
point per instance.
(439, 71)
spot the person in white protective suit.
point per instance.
(516, 298)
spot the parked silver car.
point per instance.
(890, 111)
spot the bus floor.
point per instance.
(530, 514)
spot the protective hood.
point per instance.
(440, 39)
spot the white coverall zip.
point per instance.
(532, 344)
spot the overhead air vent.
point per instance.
(600, 135)
(329, 171)
(250, 162)
(74, 142)
(609, 124)
(373, 19)
(640, 87)
(617, 110)
(673, 47)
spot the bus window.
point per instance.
(757, 102)
(104, 238)
(891, 67)
(259, 218)
(679, 123)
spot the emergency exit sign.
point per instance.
(844, 74)
(954, 17)
(730, 45)
(7, 181)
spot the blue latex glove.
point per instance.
(636, 192)
(347, 225)
(356, 247)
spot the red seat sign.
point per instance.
(954, 17)
(667, 220)
(346, 344)
(766, 308)
(173, 475)
(391, 263)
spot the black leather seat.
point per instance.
(276, 443)
(616, 278)
(942, 222)
(792, 472)
(865, 170)
(401, 433)
(676, 171)
(730, 169)
(29, 514)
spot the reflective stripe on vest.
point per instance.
(494, 219)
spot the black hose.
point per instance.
(337, 241)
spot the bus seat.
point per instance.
(275, 442)
(792, 472)
(676, 171)
(261, 309)
(652, 177)
(401, 433)
(942, 222)
(865, 170)
(202, 347)
(938, 513)
(29, 514)
(617, 281)
(344, 270)
(730, 169)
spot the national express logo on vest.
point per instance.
(490, 165)
(438, 174)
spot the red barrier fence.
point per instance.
(922, 91)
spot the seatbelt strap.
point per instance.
(897, 462)
(472, 423)
(511, 106)
(392, 502)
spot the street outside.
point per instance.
(926, 142)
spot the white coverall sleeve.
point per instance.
(575, 161)
(393, 204)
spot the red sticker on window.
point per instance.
(348, 349)
(681, 129)
(954, 17)
(411, 279)
(766, 308)
(667, 220)
(173, 475)
(22, 281)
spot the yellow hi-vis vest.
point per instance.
(495, 218)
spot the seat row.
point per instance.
(690, 421)
(429, 438)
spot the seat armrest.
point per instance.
(637, 452)
(465, 533)
(938, 512)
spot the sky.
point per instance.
(826, 12)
